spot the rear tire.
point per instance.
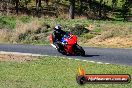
(79, 50)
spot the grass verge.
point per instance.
(55, 72)
(95, 33)
(8, 22)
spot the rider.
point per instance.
(58, 34)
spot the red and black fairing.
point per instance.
(71, 40)
(70, 46)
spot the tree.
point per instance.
(126, 8)
(16, 5)
(38, 4)
(100, 9)
(24, 2)
(47, 1)
(114, 3)
(80, 6)
(72, 9)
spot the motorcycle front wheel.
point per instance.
(78, 50)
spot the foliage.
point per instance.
(39, 36)
(126, 8)
(93, 9)
(8, 22)
(121, 31)
(79, 29)
(88, 36)
(25, 19)
(24, 2)
(97, 30)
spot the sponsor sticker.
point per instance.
(83, 78)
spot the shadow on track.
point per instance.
(85, 55)
(91, 56)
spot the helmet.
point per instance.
(58, 27)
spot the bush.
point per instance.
(36, 39)
(7, 22)
(25, 19)
(106, 35)
(115, 32)
(43, 29)
(37, 36)
(79, 30)
(88, 36)
(5, 35)
(97, 30)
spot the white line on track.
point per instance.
(107, 63)
(77, 59)
(18, 53)
(92, 61)
(84, 60)
(99, 62)
(30, 54)
(69, 58)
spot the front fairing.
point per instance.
(70, 39)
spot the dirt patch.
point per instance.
(116, 42)
(16, 58)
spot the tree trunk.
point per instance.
(46, 1)
(7, 9)
(39, 4)
(80, 9)
(100, 9)
(36, 5)
(17, 1)
(72, 9)
(126, 8)
(114, 4)
(1, 6)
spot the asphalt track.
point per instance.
(105, 55)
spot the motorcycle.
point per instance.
(68, 45)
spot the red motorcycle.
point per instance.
(68, 45)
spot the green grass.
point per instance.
(39, 42)
(87, 36)
(8, 22)
(25, 19)
(55, 72)
(97, 30)
(74, 22)
(109, 3)
(40, 36)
